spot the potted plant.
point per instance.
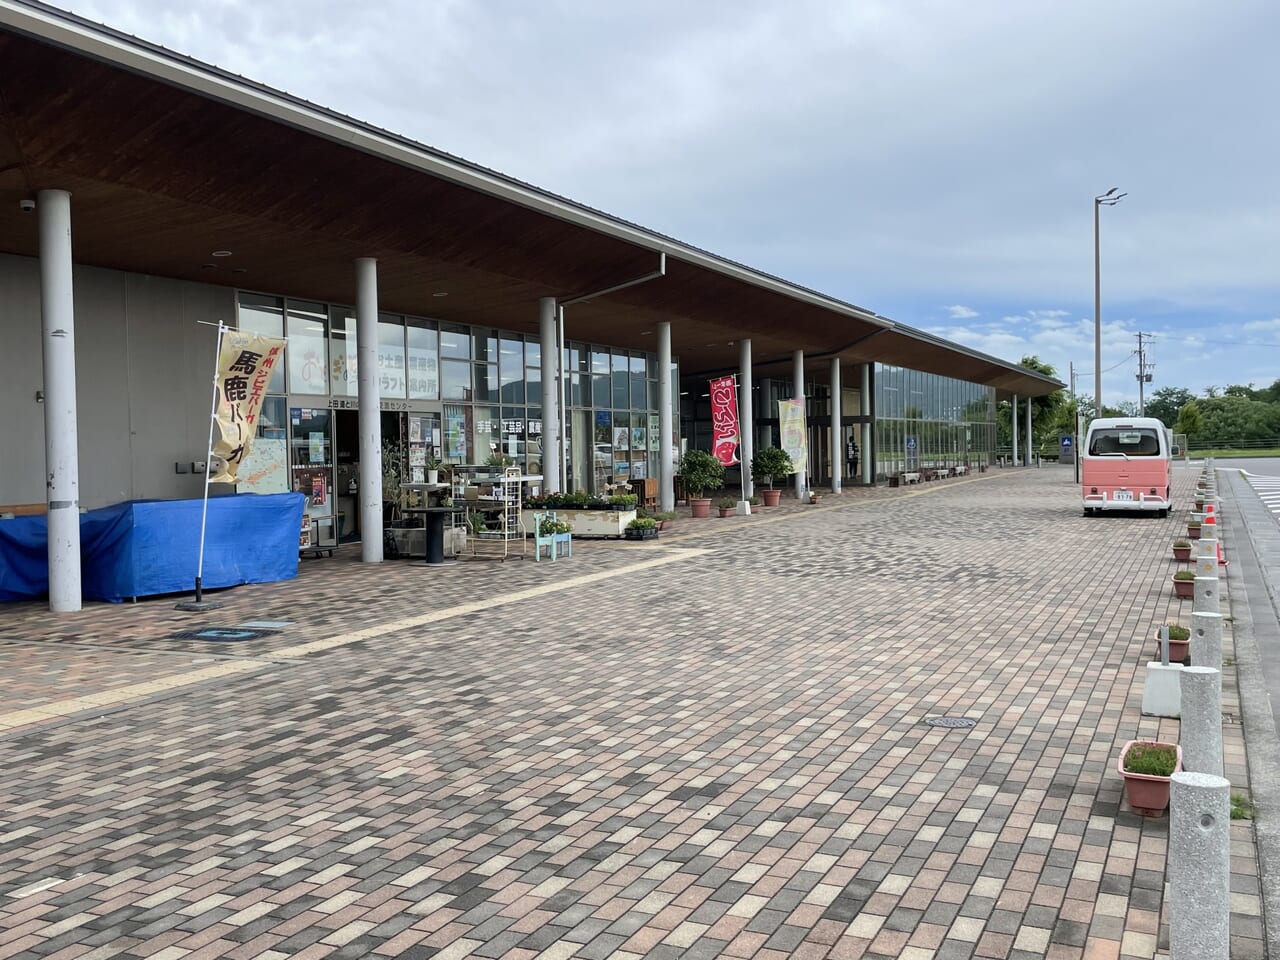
(700, 472)
(665, 519)
(432, 466)
(1179, 642)
(642, 528)
(728, 506)
(1184, 584)
(1146, 767)
(754, 500)
(1182, 550)
(769, 464)
(623, 501)
(810, 497)
(1193, 529)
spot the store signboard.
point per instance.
(245, 365)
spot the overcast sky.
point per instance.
(930, 160)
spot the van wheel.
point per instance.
(1088, 512)
(1162, 513)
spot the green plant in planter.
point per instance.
(500, 460)
(1182, 544)
(1185, 575)
(754, 501)
(643, 523)
(727, 503)
(624, 500)
(1151, 759)
(1177, 632)
(770, 464)
(431, 463)
(700, 472)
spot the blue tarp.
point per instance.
(146, 547)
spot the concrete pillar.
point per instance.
(551, 445)
(746, 415)
(369, 393)
(1013, 422)
(1199, 867)
(1206, 546)
(837, 427)
(1205, 598)
(797, 392)
(666, 418)
(1206, 639)
(1201, 727)
(864, 410)
(1027, 458)
(1206, 565)
(61, 451)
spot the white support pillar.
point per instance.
(746, 414)
(864, 410)
(551, 446)
(666, 426)
(837, 427)
(61, 452)
(1027, 441)
(797, 393)
(1013, 421)
(369, 395)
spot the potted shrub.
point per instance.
(642, 528)
(1184, 584)
(432, 466)
(1179, 642)
(768, 465)
(754, 500)
(1146, 767)
(728, 506)
(1182, 550)
(665, 519)
(1193, 529)
(700, 472)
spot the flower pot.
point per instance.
(1193, 533)
(771, 497)
(664, 524)
(1178, 649)
(727, 511)
(700, 507)
(1182, 554)
(1148, 795)
(1184, 589)
(433, 476)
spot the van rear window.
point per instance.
(1130, 442)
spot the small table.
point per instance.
(433, 531)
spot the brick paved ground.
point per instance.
(707, 746)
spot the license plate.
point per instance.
(1123, 495)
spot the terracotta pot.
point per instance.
(1148, 795)
(1193, 533)
(1182, 553)
(727, 511)
(700, 507)
(1184, 589)
(664, 524)
(1178, 649)
(771, 497)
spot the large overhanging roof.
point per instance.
(169, 159)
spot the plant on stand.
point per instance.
(769, 464)
(432, 467)
(700, 472)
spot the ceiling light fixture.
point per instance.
(220, 253)
(442, 293)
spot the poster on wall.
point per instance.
(724, 420)
(455, 433)
(791, 426)
(317, 491)
(639, 440)
(245, 365)
(315, 446)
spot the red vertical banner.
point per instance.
(724, 420)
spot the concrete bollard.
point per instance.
(1206, 564)
(1201, 704)
(1199, 867)
(1207, 546)
(1206, 640)
(1205, 599)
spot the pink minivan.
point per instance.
(1126, 464)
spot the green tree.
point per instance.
(1189, 420)
(1167, 402)
(1228, 419)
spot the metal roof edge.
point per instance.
(101, 42)
(918, 334)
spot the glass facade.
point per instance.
(924, 420)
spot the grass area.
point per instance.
(1233, 452)
(1241, 807)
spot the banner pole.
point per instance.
(204, 506)
(742, 467)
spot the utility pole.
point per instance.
(1075, 421)
(1144, 372)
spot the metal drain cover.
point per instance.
(951, 723)
(223, 634)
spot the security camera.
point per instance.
(26, 206)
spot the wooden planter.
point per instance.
(771, 497)
(1148, 795)
(1184, 589)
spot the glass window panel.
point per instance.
(344, 369)
(484, 344)
(392, 381)
(600, 394)
(621, 382)
(455, 341)
(265, 316)
(533, 353)
(271, 421)
(486, 382)
(455, 379)
(487, 433)
(577, 357)
(599, 361)
(424, 360)
(511, 368)
(575, 390)
(307, 355)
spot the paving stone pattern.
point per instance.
(721, 756)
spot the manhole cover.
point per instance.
(951, 723)
(223, 634)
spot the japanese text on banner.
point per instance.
(724, 420)
(245, 363)
(795, 440)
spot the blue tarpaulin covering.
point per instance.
(146, 547)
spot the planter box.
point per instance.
(1182, 554)
(1184, 589)
(597, 523)
(1148, 796)
(638, 533)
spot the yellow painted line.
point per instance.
(138, 691)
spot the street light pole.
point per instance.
(1108, 199)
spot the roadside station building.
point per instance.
(146, 197)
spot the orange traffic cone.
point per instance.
(1222, 561)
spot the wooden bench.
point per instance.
(24, 509)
